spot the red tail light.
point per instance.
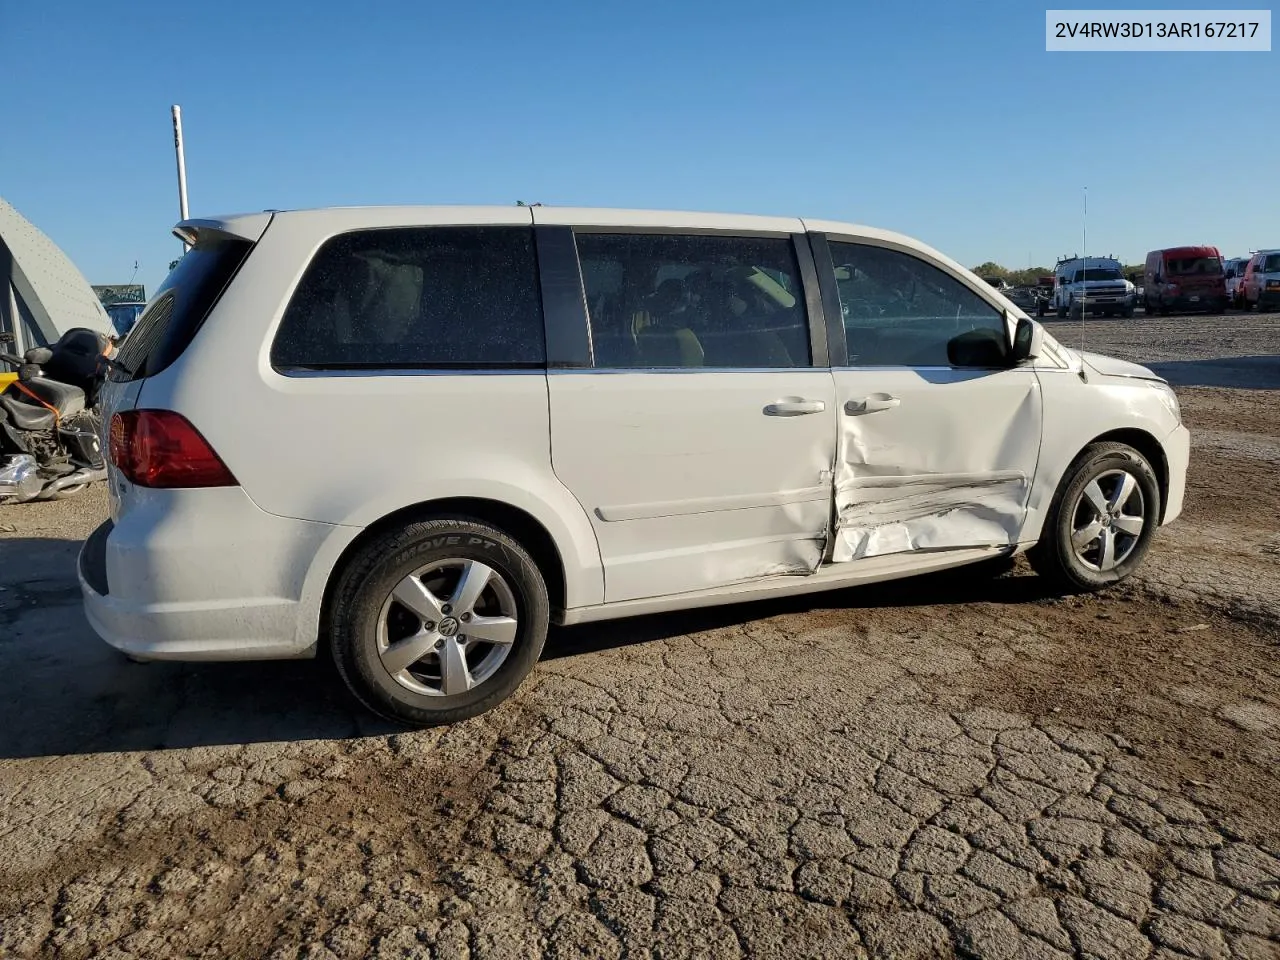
(159, 448)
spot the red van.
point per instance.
(1185, 278)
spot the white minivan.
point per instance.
(414, 437)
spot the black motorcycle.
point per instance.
(50, 429)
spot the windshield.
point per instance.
(1185, 266)
(1096, 273)
(1271, 264)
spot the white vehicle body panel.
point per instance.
(660, 490)
(688, 481)
(948, 465)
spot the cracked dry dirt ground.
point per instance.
(887, 772)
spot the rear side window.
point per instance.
(672, 300)
(179, 307)
(417, 298)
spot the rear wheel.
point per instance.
(438, 621)
(1101, 521)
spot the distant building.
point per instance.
(109, 293)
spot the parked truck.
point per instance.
(1091, 285)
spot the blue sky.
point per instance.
(947, 121)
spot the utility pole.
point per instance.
(182, 167)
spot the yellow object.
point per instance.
(6, 379)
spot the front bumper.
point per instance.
(1106, 306)
(1177, 452)
(200, 575)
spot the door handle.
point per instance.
(871, 404)
(794, 407)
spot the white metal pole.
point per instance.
(1084, 289)
(182, 166)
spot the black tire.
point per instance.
(365, 584)
(1062, 313)
(1055, 558)
(1127, 312)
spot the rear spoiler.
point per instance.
(246, 226)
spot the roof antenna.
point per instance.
(182, 167)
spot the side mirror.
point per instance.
(982, 348)
(1028, 341)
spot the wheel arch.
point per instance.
(526, 529)
(1150, 448)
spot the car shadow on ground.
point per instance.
(69, 693)
(988, 582)
(1242, 373)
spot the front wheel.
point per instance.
(438, 621)
(1101, 521)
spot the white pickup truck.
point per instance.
(1094, 285)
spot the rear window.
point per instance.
(179, 307)
(417, 298)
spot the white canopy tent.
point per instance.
(42, 293)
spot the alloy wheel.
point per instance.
(1108, 520)
(447, 627)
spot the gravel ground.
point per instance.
(953, 765)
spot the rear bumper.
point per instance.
(1177, 451)
(200, 575)
(1216, 301)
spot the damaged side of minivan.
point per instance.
(419, 435)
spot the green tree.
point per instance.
(990, 269)
(1029, 276)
